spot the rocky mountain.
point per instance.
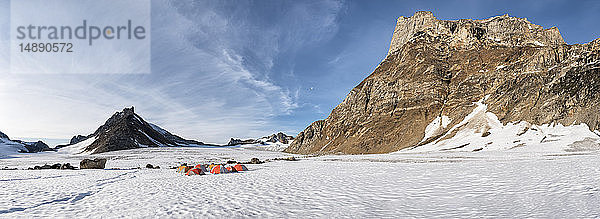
(2, 135)
(274, 142)
(274, 138)
(34, 147)
(445, 79)
(78, 138)
(237, 141)
(8, 146)
(126, 130)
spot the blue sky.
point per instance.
(225, 69)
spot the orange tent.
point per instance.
(201, 167)
(183, 169)
(211, 166)
(240, 167)
(195, 171)
(231, 169)
(218, 169)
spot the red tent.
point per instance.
(231, 169)
(195, 171)
(218, 169)
(240, 167)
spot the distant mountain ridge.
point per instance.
(274, 138)
(275, 142)
(8, 146)
(127, 130)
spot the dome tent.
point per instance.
(240, 167)
(219, 169)
(195, 171)
(201, 167)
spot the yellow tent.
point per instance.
(183, 169)
(210, 167)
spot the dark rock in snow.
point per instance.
(67, 166)
(98, 163)
(255, 161)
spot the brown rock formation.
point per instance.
(439, 68)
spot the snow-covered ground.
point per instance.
(431, 184)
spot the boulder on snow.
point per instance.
(98, 163)
(255, 161)
(67, 166)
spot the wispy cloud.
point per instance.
(213, 74)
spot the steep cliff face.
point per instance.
(435, 70)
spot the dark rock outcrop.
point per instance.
(34, 147)
(98, 163)
(237, 141)
(2, 135)
(437, 68)
(279, 137)
(77, 139)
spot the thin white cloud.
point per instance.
(211, 76)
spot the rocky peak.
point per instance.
(466, 33)
(2, 135)
(127, 130)
(77, 139)
(279, 137)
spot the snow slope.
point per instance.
(8, 148)
(79, 147)
(482, 131)
(267, 146)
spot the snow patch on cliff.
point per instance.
(482, 131)
(436, 127)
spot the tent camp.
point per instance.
(240, 167)
(218, 169)
(183, 169)
(201, 167)
(195, 171)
